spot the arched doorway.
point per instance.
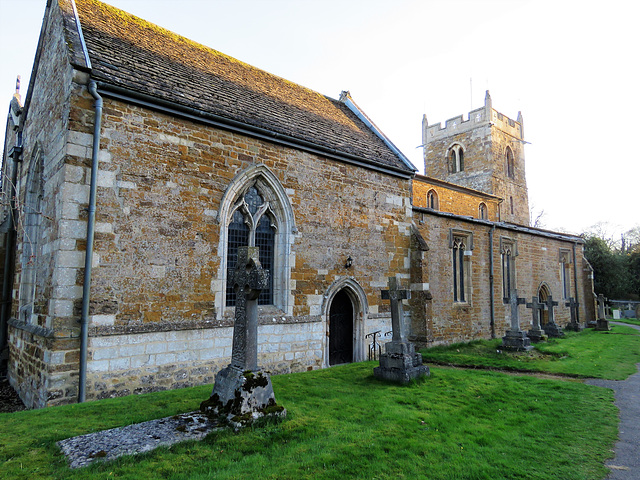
(341, 329)
(543, 295)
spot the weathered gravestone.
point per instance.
(536, 334)
(602, 323)
(400, 362)
(551, 328)
(574, 325)
(242, 392)
(515, 339)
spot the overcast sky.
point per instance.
(570, 67)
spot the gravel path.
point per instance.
(626, 464)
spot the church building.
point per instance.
(140, 161)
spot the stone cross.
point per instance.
(514, 301)
(536, 307)
(573, 305)
(549, 303)
(248, 280)
(601, 300)
(395, 296)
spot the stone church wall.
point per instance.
(39, 333)
(154, 319)
(440, 320)
(454, 199)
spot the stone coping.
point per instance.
(34, 329)
(152, 327)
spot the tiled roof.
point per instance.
(128, 52)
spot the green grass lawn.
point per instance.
(344, 423)
(609, 355)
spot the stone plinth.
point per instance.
(603, 325)
(400, 363)
(516, 341)
(241, 398)
(537, 335)
(553, 330)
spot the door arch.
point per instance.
(543, 295)
(335, 301)
(341, 338)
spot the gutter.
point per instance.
(492, 318)
(504, 225)
(575, 282)
(213, 120)
(86, 287)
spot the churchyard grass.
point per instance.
(344, 423)
(608, 355)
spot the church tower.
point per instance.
(484, 152)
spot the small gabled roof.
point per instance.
(127, 54)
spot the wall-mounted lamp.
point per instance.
(348, 263)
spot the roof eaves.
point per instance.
(171, 107)
(567, 237)
(345, 97)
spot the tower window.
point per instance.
(456, 159)
(511, 170)
(432, 200)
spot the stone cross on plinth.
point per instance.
(536, 334)
(602, 323)
(248, 280)
(395, 295)
(575, 312)
(242, 392)
(400, 362)
(551, 328)
(515, 339)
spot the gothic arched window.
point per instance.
(511, 169)
(255, 211)
(252, 224)
(432, 200)
(30, 239)
(482, 211)
(456, 159)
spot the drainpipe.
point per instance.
(9, 259)
(575, 283)
(86, 287)
(491, 295)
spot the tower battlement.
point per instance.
(485, 152)
(479, 117)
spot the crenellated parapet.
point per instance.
(483, 116)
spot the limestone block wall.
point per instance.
(441, 320)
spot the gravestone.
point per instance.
(242, 392)
(574, 325)
(551, 328)
(515, 339)
(602, 324)
(400, 363)
(536, 334)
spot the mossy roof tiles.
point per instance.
(131, 53)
